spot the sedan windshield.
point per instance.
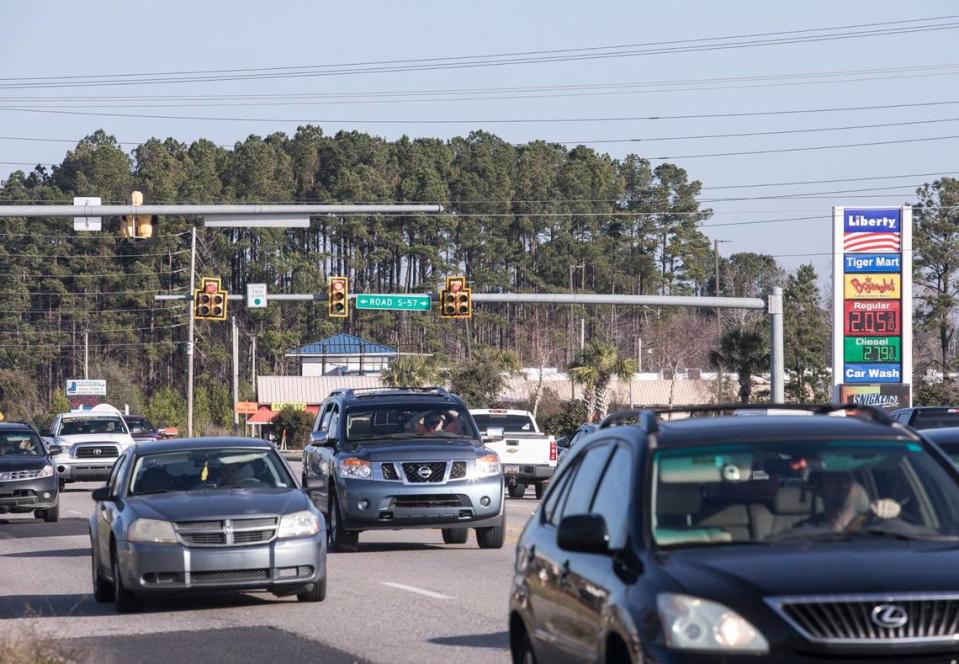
(408, 421)
(20, 443)
(795, 491)
(198, 470)
(84, 425)
(139, 425)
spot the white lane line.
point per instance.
(76, 512)
(414, 589)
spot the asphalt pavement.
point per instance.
(404, 596)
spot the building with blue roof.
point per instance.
(342, 355)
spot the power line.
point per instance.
(497, 60)
(92, 332)
(140, 344)
(97, 294)
(804, 148)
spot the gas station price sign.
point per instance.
(869, 318)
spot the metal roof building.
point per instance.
(343, 354)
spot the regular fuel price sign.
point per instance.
(872, 283)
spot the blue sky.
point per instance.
(69, 38)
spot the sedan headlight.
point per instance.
(356, 469)
(151, 530)
(298, 524)
(47, 471)
(691, 623)
(486, 466)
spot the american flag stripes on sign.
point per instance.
(871, 242)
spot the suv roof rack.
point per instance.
(646, 418)
(876, 414)
(377, 391)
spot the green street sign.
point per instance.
(873, 349)
(386, 302)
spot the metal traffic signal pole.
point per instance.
(189, 343)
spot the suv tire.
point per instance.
(517, 490)
(493, 537)
(51, 515)
(541, 489)
(315, 593)
(455, 535)
(340, 541)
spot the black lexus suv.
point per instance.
(735, 539)
(397, 458)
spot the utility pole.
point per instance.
(236, 375)
(189, 343)
(253, 362)
(582, 322)
(86, 354)
(719, 326)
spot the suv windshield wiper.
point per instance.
(933, 536)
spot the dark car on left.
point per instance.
(200, 515)
(142, 429)
(28, 476)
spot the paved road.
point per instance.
(403, 597)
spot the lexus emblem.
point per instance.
(97, 451)
(889, 616)
(424, 471)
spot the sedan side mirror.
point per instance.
(583, 533)
(46, 433)
(102, 494)
(54, 450)
(495, 433)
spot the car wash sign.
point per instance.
(872, 301)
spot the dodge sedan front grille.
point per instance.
(229, 576)
(97, 452)
(426, 471)
(872, 619)
(229, 532)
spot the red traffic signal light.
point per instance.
(210, 300)
(338, 295)
(456, 300)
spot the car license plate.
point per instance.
(511, 470)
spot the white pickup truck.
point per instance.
(91, 441)
(527, 456)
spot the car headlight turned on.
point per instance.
(151, 531)
(486, 466)
(692, 623)
(298, 524)
(356, 469)
(47, 471)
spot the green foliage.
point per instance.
(806, 337)
(566, 420)
(936, 393)
(411, 371)
(167, 408)
(59, 403)
(481, 379)
(743, 351)
(595, 368)
(295, 425)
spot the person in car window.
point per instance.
(431, 423)
(846, 502)
(452, 422)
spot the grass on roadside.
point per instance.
(32, 647)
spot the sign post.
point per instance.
(872, 306)
(387, 302)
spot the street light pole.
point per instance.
(189, 343)
(719, 326)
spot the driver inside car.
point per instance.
(846, 503)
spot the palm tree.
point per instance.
(594, 368)
(744, 352)
(411, 371)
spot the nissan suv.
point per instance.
(28, 476)
(737, 539)
(388, 459)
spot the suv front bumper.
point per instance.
(390, 504)
(20, 496)
(84, 470)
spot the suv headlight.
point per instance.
(153, 531)
(692, 623)
(47, 471)
(486, 466)
(356, 469)
(298, 524)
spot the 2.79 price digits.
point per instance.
(880, 354)
(878, 323)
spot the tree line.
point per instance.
(519, 217)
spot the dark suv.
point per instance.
(735, 539)
(927, 417)
(403, 458)
(28, 475)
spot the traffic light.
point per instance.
(339, 297)
(456, 300)
(137, 226)
(210, 300)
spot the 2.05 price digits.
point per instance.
(873, 322)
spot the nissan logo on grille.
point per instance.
(889, 616)
(424, 471)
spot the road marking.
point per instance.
(414, 589)
(76, 512)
